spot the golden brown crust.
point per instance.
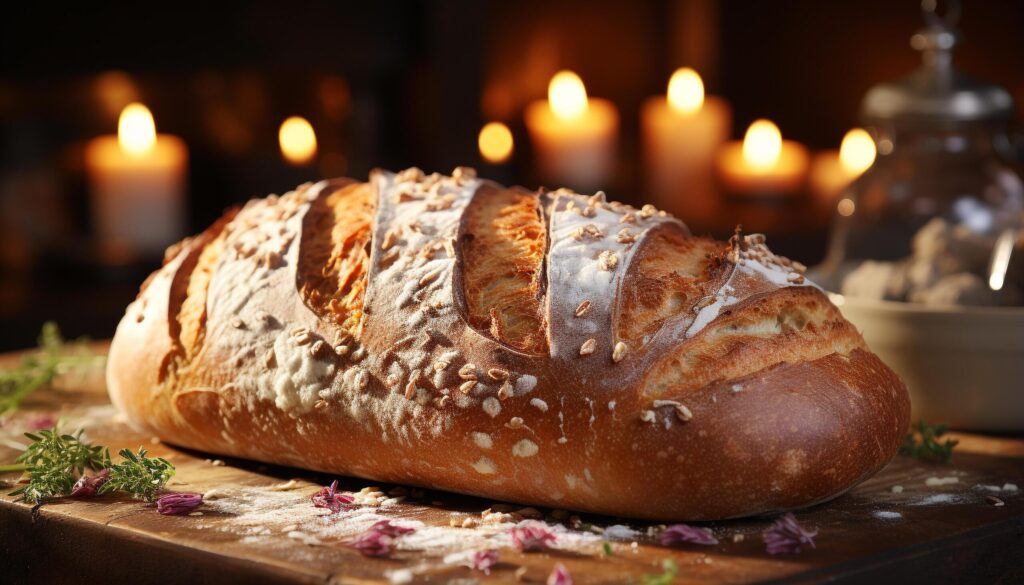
(734, 389)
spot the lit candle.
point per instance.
(495, 142)
(833, 171)
(763, 164)
(573, 136)
(137, 182)
(681, 134)
(297, 141)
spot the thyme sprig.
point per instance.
(141, 476)
(54, 357)
(923, 442)
(55, 461)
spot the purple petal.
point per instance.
(483, 560)
(683, 533)
(373, 544)
(41, 421)
(87, 486)
(786, 536)
(179, 503)
(330, 499)
(392, 530)
(532, 535)
(560, 576)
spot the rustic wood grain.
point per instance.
(944, 534)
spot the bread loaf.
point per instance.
(548, 348)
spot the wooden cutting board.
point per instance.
(258, 526)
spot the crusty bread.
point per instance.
(551, 349)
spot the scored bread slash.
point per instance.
(583, 308)
(588, 346)
(467, 386)
(619, 351)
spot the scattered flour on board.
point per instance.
(887, 515)
(261, 516)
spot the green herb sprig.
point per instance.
(142, 477)
(923, 442)
(38, 369)
(55, 461)
(668, 575)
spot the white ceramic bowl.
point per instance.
(964, 366)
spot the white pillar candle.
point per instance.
(682, 131)
(573, 136)
(137, 184)
(763, 165)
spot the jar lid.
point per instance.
(936, 92)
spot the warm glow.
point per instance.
(762, 145)
(846, 207)
(298, 141)
(495, 142)
(857, 151)
(685, 91)
(136, 131)
(567, 96)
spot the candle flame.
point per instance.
(762, 144)
(298, 141)
(685, 91)
(136, 131)
(495, 142)
(567, 96)
(857, 152)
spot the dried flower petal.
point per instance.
(483, 560)
(560, 576)
(87, 486)
(373, 543)
(683, 533)
(329, 498)
(392, 530)
(378, 540)
(176, 504)
(787, 536)
(41, 421)
(532, 536)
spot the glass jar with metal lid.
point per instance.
(943, 152)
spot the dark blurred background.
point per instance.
(394, 84)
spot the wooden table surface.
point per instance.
(258, 526)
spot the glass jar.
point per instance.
(957, 173)
(943, 153)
